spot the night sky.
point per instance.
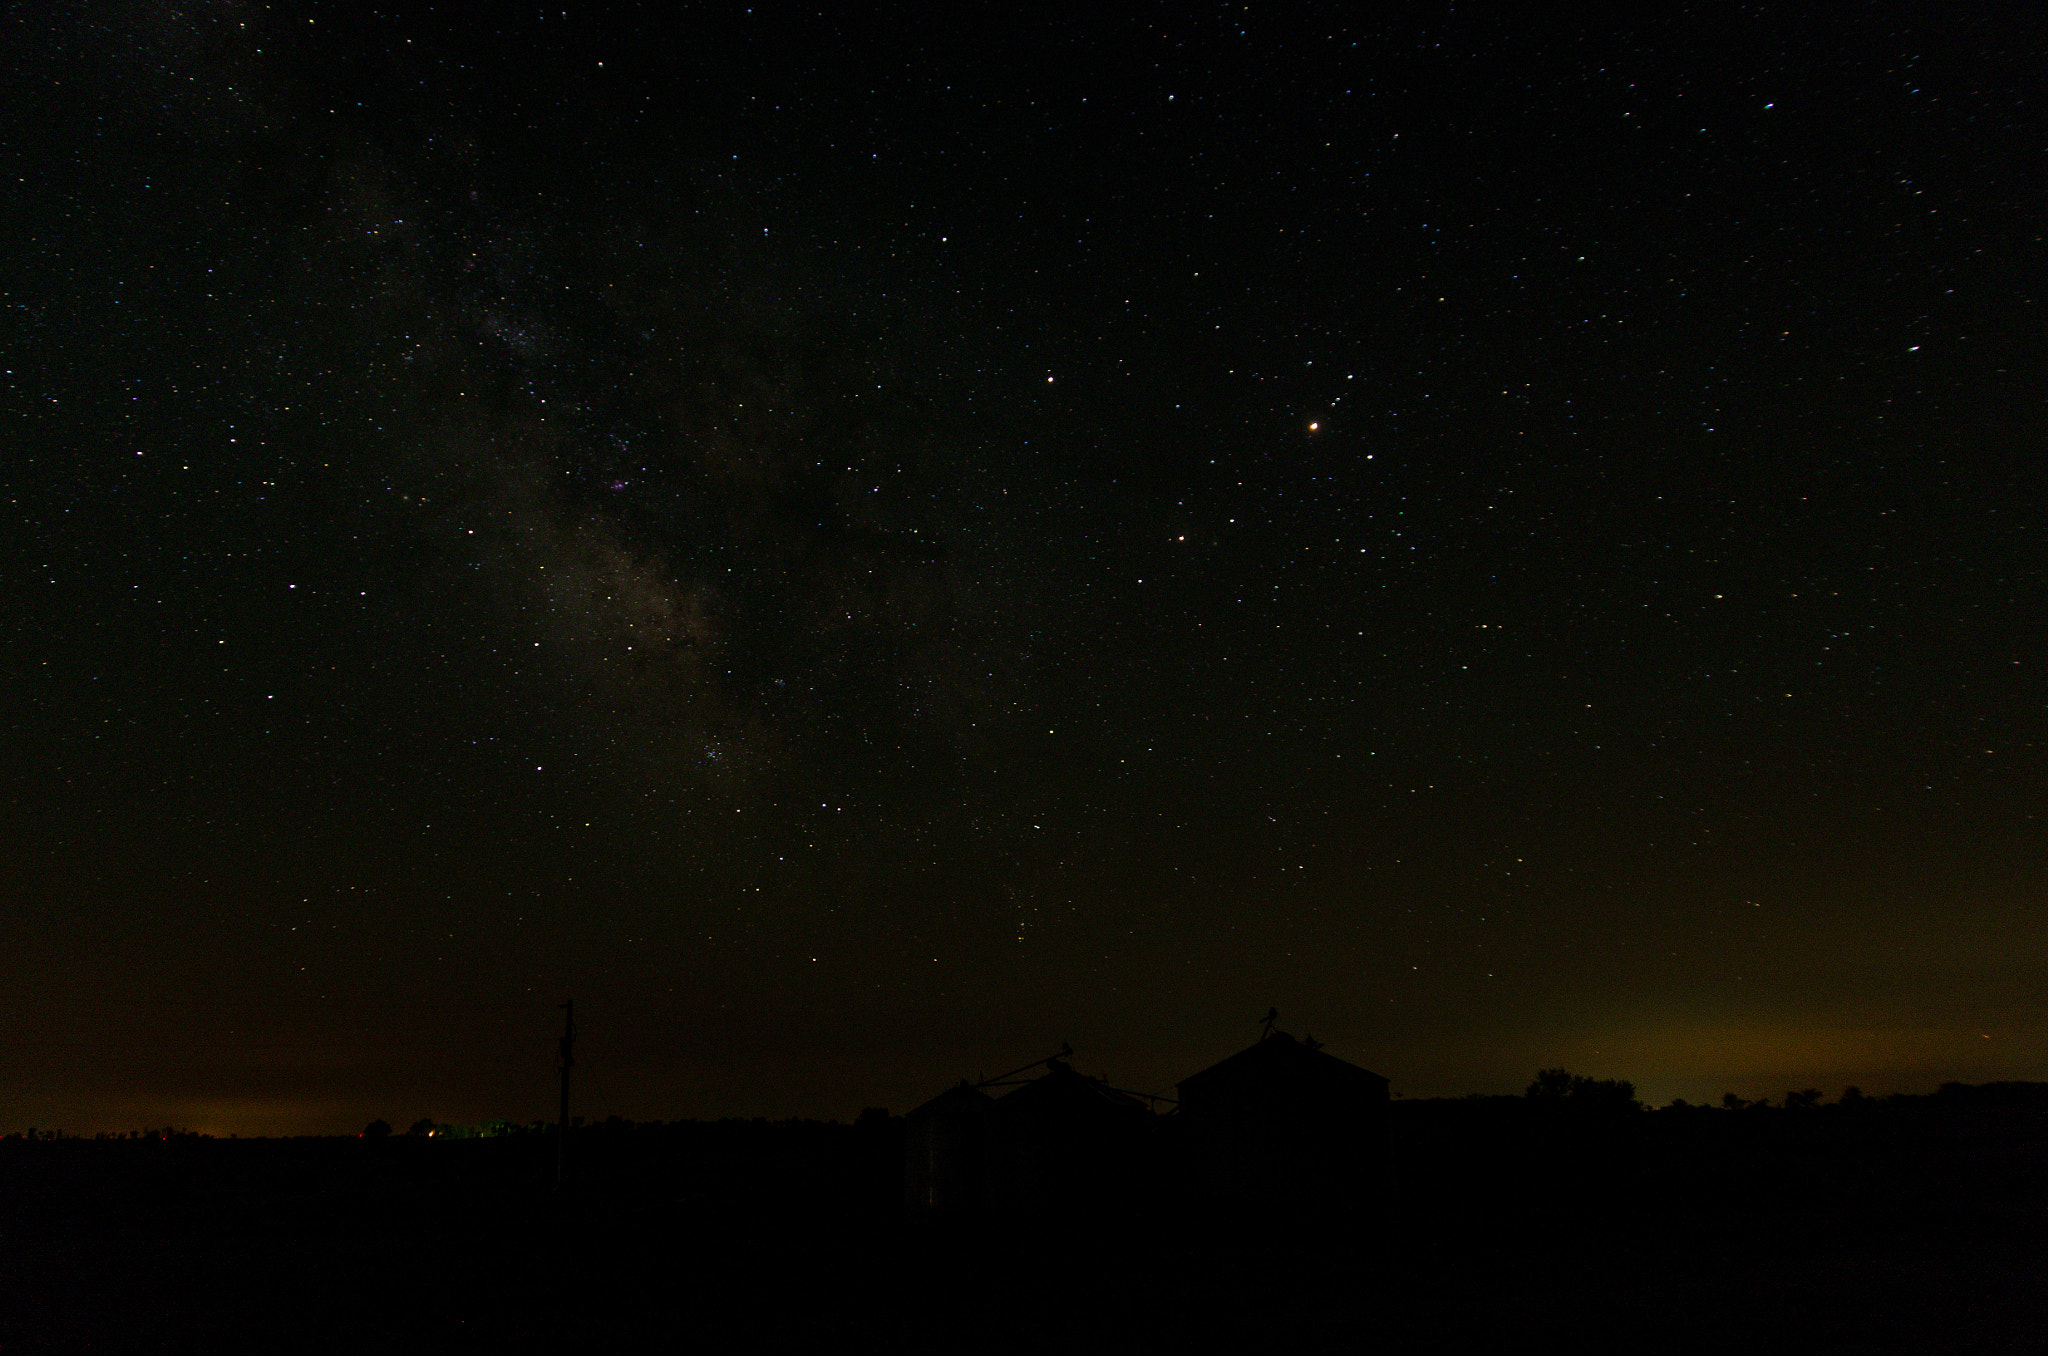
(863, 547)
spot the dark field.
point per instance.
(1912, 1225)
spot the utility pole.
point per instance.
(565, 1062)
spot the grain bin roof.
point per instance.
(1281, 1059)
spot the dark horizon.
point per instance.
(334, 1119)
(861, 548)
(2000, 1096)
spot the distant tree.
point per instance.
(1733, 1103)
(1560, 1088)
(423, 1127)
(1806, 1100)
(1853, 1096)
(378, 1129)
(1605, 1094)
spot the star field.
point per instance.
(857, 546)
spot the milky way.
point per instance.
(863, 551)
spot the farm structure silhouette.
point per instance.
(1282, 1123)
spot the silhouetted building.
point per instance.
(1283, 1122)
(1061, 1143)
(945, 1150)
(1065, 1143)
